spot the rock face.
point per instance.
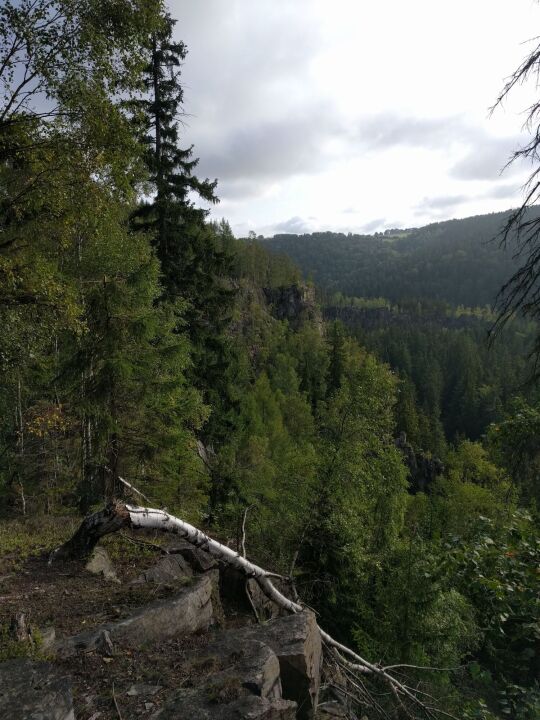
(295, 303)
(240, 681)
(296, 641)
(189, 611)
(34, 691)
(423, 468)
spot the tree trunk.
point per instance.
(112, 518)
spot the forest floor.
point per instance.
(69, 598)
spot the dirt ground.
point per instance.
(132, 683)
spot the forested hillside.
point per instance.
(459, 262)
(140, 340)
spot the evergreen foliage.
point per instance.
(140, 340)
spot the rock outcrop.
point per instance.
(169, 569)
(188, 611)
(267, 671)
(294, 303)
(34, 691)
(296, 642)
(196, 558)
(423, 468)
(238, 679)
(100, 563)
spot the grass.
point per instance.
(23, 537)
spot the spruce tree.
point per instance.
(171, 214)
(194, 265)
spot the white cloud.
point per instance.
(303, 108)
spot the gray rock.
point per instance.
(48, 639)
(188, 611)
(332, 710)
(236, 680)
(295, 303)
(296, 641)
(253, 663)
(104, 644)
(100, 564)
(143, 689)
(199, 560)
(169, 569)
(34, 691)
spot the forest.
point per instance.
(459, 262)
(341, 389)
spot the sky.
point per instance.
(354, 116)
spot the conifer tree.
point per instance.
(194, 265)
(171, 214)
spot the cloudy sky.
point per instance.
(353, 115)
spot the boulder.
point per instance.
(34, 691)
(100, 564)
(48, 639)
(332, 710)
(143, 689)
(296, 641)
(188, 611)
(169, 569)
(254, 664)
(233, 680)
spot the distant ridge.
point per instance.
(456, 261)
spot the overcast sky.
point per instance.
(352, 115)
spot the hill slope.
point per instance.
(457, 261)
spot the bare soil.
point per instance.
(71, 599)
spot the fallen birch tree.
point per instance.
(118, 515)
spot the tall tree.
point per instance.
(171, 214)
(194, 264)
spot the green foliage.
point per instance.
(412, 615)
(10, 648)
(358, 503)
(139, 340)
(497, 570)
(454, 261)
(515, 442)
(194, 260)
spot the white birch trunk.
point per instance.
(160, 520)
